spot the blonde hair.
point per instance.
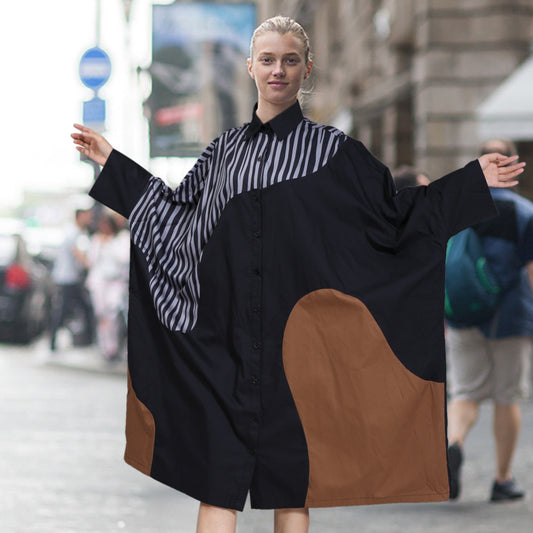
(283, 25)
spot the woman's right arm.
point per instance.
(122, 181)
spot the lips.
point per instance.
(278, 83)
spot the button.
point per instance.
(257, 234)
(251, 452)
(259, 157)
(255, 197)
(257, 345)
(254, 418)
(254, 380)
(257, 271)
(256, 309)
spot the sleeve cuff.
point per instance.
(120, 183)
(465, 198)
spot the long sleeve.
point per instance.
(164, 226)
(462, 199)
(120, 184)
(443, 208)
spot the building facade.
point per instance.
(407, 76)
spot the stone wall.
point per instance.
(406, 76)
(463, 51)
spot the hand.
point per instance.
(91, 144)
(496, 171)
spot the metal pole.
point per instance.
(98, 22)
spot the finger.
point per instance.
(511, 168)
(506, 184)
(493, 157)
(80, 142)
(505, 178)
(504, 160)
(84, 129)
(82, 136)
(79, 138)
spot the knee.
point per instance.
(295, 520)
(216, 519)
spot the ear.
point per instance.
(308, 71)
(249, 63)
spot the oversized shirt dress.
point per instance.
(286, 320)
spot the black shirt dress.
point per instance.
(286, 323)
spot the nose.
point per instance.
(279, 71)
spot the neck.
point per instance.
(267, 111)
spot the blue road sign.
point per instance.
(94, 111)
(95, 68)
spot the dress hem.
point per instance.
(408, 498)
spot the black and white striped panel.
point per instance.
(172, 227)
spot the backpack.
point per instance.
(472, 293)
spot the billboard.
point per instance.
(199, 76)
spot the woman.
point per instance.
(286, 310)
(107, 282)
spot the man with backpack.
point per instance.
(489, 347)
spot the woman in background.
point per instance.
(107, 282)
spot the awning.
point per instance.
(508, 112)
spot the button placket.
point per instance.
(255, 352)
(256, 288)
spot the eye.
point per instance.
(265, 60)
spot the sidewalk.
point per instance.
(86, 358)
(63, 441)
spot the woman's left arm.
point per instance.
(498, 170)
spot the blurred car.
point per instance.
(43, 243)
(25, 288)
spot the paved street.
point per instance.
(61, 468)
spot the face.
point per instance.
(84, 219)
(278, 69)
(105, 227)
(496, 146)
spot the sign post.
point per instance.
(95, 70)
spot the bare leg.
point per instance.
(507, 423)
(213, 519)
(462, 415)
(291, 520)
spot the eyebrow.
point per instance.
(273, 54)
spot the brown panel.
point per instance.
(375, 432)
(140, 433)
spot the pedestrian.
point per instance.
(407, 176)
(491, 361)
(107, 281)
(286, 333)
(69, 273)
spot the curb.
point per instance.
(87, 365)
(85, 359)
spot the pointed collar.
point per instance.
(281, 124)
